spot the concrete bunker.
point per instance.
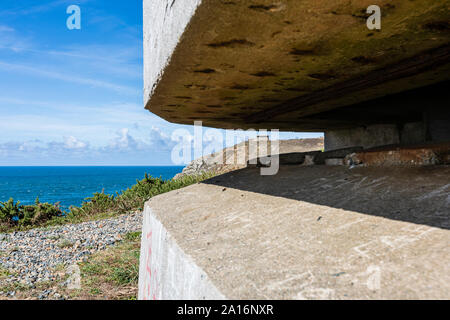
(381, 97)
(301, 66)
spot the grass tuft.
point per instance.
(112, 274)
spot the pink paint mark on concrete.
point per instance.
(150, 292)
(148, 276)
(156, 286)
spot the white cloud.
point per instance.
(123, 141)
(70, 149)
(160, 140)
(11, 41)
(118, 60)
(6, 29)
(73, 143)
(155, 140)
(31, 145)
(67, 77)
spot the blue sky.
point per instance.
(74, 97)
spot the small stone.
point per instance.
(35, 253)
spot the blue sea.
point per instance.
(71, 185)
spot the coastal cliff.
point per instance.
(225, 161)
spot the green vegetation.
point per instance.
(9, 211)
(133, 236)
(65, 244)
(11, 286)
(14, 216)
(132, 199)
(112, 274)
(3, 272)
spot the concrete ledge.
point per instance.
(166, 272)
(314, 232)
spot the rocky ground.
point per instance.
(32, 257)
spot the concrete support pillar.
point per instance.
(438, 124)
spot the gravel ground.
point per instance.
(32, 256)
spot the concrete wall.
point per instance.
(310, 232)
(166, 272)
(164, 24)
(439, 124)
(436, 128)
(372, 136)
(413, 133)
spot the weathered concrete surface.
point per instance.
(308, 233)
(292, 65)
(166, 272)
(434, 126)
(372, 136)
(164, 23)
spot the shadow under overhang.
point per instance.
(418, 195)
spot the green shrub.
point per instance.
(10, 212)
(98, 203)
(14, 215)
(133, 198)
(39, 213)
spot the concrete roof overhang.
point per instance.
(289, 64)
